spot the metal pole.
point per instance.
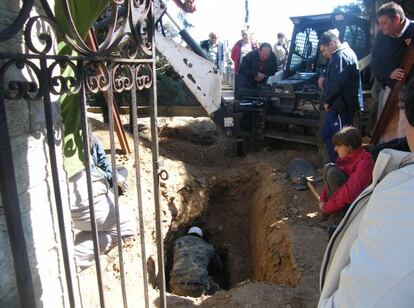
(155, 170)
(55, 176)
(246, 17)
(115, 187)
(138, 186)
(94, 228)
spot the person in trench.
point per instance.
(193, 257)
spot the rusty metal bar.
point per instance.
(138, 186)
(155, 172)
(55, 176)
(115, 189)
(86, 145)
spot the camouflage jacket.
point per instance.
(192, 256)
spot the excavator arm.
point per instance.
(198, 74)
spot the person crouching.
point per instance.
(349, 176)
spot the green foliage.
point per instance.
(171, 91)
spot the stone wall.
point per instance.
(37, 204)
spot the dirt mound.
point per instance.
(270, 234)
(197, 131)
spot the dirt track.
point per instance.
(267, 234)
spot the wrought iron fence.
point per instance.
(123, 62)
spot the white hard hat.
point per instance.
(195, 230)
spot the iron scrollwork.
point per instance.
(39, 69)
(143, 76)
(97, 76)
(22, 88)
(65, 77)
(122, 77)
(128, 36)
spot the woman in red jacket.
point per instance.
(349, 176)
(242, 48)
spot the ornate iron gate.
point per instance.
(123, 62)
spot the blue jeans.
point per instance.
(334, 122)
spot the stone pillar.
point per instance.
(31, 161)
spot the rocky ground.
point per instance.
(268, 234)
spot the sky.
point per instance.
(266, 17)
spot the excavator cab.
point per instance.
(304, 55)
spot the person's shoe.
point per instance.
(323, 216)
(331, 230)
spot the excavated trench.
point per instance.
(244, 221)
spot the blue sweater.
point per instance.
(100, 161)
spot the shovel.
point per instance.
(301, 173)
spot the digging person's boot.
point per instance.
(323, 216)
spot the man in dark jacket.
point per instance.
(214, 50)
(342, 91)
(396, 32)
(192, 258)
(255, 68)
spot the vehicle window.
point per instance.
(305, 47)
(357, 39)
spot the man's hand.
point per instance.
(189, 6)
(260, 76)
(326, 107)
(397, 74)
(122, 182)
(321, 205)
(321, 80)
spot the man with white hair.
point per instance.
(192, 257)
(214, 50)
